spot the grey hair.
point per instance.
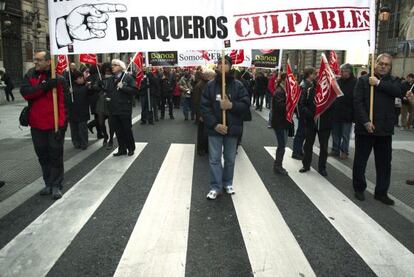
(48, 57)
(384, 55)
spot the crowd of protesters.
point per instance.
(103, 102)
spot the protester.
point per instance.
(376, 134)
(322, 127)
(260, 88)
(186, 90)
(202, 139)
(79, 112)
(407, 110)
(121, 92)
(91, 78)
(271, 89)
(102, 108)
(37, 89)
(222, 138)
(343, 113)
(177, 92)
(5, 78)
(306, 85)
(166, 94)
(280, 124)
(150, 88)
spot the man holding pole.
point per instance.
(223, 104)
(37, 88)
(374, 127)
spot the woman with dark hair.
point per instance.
(280, 124)
(102, 109)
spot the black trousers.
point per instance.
(259, 101)
(166, 100)
(383, 155)
(50, 154)
(202, 139)
(123, 129)
(9, 93)
(102, 118)
(147, 111)
(95, 124)
(79, 133)
(310, 135)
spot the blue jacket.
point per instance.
(210, 106)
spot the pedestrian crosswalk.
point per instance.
(158, 244)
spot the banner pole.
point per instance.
(223, 84)
(280, 61)
(55, 100)
(70, 80)
(371, 93)
(129, 65)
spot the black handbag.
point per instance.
(24, 116)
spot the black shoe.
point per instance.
(100, 136)
(110, 145)
(186, 119)
(2, 183)
(105, 142)
(151, 123)
(304, 169)
(131, 153)
(360, 195)
(120, 153)
(57, 193)
(323, 172)
(90, 128)
(297, 157)
(46, 191)
(84, 147)
(172, 117)
(143, 122)
(384, 199)
(280, 170)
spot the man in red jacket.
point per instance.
(37, 89)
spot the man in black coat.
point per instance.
(322, 127)
(121, 94)
(149, 99)
(222, 138)
(343, 113)
(376, 134)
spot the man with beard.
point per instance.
(222, 136)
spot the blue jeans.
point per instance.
(281, 136)
(341, 133)
(221, 177)
(187, 107)
(299, 139)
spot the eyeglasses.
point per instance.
(384, 64)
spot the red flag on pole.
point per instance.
(333, 63)
(237, 56)
(62, 64)
(327, 89)
(205, 55)
(293, 93)
(138, 61)
(88, 58)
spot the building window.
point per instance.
(29, 51)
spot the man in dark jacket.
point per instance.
(166, 93)
(261, 83)
(376, 134)
(79, 112)
(343, 113)
(322, 127)
(306, 85)
(150, 91)
(121, 95)
(222, 138)
(37, 89)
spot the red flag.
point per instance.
(62, 64)
(205, 55)
(333, 63)
(327, 89)
(88, 58)
(237, 56)
(293, 93)
(138, 61)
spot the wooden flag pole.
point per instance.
(223, 84)
(371, 93)
(55, 100)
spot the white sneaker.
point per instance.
(229, 190)
(212, 195)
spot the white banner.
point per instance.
(203, 58)
(104, 26)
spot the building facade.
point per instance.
(396, 35)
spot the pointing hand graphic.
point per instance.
(85, 22)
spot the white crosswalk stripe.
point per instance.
(33, 252)
(384, 254)
(158, 244)
(272, 248)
